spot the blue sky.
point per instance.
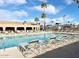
(27, 10)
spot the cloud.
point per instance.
(64, 20)
(20, 13)
(56, 20)
(69, 18)
(51, 9)
(43, 0)
(15, 2)
(76, 23)
(47, 20)
(30, 20)
(6, 15)
(69, 2)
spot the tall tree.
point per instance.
(44, 6)
(44, 16)
(36, 19)
(77, 2)
(24, 22)
(68, 22)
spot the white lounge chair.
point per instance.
(24, 49)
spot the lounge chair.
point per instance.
(39, 45)
(34, 45)
(24, 49)
(29, 48)
(55, 41)
(65, 38)
(43, 45)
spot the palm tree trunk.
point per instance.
(44, 25)
(44, 21)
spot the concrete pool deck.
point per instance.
(68, 51)
(34, 33)
(10, 53)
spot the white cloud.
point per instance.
(16, 2)
(6, 15)
(69, 2)
(69, 18)
(47, 20)
(56, 20)
(43, 0)
(64, 20)
(50, 9)
(30, 20)
(1, 2)
(76, 23)
(20, 13)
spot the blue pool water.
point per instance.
(7, 42)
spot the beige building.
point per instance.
(18, 26)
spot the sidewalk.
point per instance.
(10, 53)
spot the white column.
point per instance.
(38, 28)
(4, 29)
(15, 29)
(24, 28)
(35, 29)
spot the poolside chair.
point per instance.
(25, 49)
(43, 45)
(55, 41)
(52, 42)
(52, 39)
(65, 38)
(34, 45)
(38, 46)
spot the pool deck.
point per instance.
(10, 53)
(68, 51)
(32, 33)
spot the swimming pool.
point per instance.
(7, 42)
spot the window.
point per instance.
(28, 28)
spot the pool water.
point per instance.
(7, 42)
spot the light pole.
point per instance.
(63, 24)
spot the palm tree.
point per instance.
(68, 22)
(36, 20)
(44, 16)
(24, 22)
(77, 2)
(44, 6)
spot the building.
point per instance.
(18, 26)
